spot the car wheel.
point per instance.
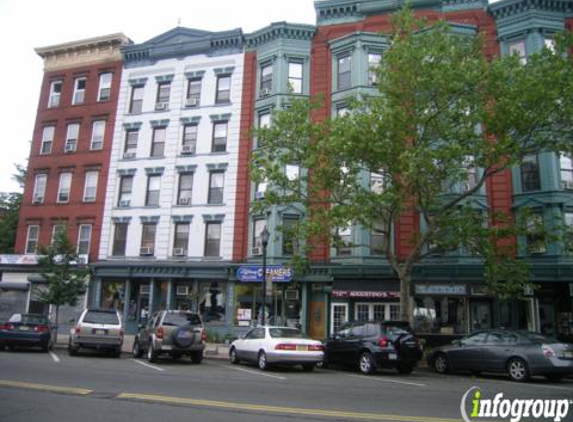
(554, 377)
(441, 365)
(233, 356)
(117, 352)
(308, 368)
(263, 362)
(137, 352)
(151, 353)
(405, 368)
(517, 370)
(72, 350)
(366, 363)
(197, 357)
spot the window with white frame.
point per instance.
(47, 140)
(219, 137)
(471, 174)
(549, 43)
(57, 230)
(79, 91)
(193, 92)
(185, 191)
(104, 90)
(189, 145)
(136, 101)
(32, 239)
(223, 93)
(119, 239)
(39, 188)
(84, 239)
(378, 181)
(216, 185)
(339, 312)
(377, 311)
(125, 189)
(374, 60)
(292, 172)
(55, 94)
(566, 171)
(98, 131)
(163, 93)
(266, 79)
(148, 231)
(64, 187)
(257, 241)
(212, 239)
(344, 241)
(377, 238)
(131, 140)
(344, 72)
(530, 175)
(72, 135)
(153, 189)
(534, 234)
(264, 120)
(295, 76)
(290, 244)
(518, 47)
(90, 186)
(181, 238)
(158, 141)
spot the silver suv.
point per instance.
(172, 332)
(99, 329)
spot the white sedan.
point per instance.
(277, 345)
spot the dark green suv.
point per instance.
(172, 332)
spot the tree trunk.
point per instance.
(57, 324)
(405, 298)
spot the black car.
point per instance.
(520, 354)
(27, 330)
(372, 345)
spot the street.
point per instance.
(53, 386)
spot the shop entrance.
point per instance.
(317, 320)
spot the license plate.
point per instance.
(392, 356)
(100, 332)
(24, 328)
(568, 355)
(301, 348)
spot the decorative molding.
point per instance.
(126, 172)
(182, 218)
(190, 120)
(120, 220)
(164, 78)
(159, 123)
(213, 218)
(220, 117)
(137, 81)
(186, 169)
(198, 74)
(132, 125)
(280, 31)
(224, 71)
(154, 170)
(153, 219)
(219, 166)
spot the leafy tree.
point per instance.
(445, 121)
(59, 265)
(10, 206)
(20, 175)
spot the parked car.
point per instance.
(271, 345)
(172, 332)
(97, 329)
(27, 330)
(374, 344)
(520, 354)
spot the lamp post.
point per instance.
(265, 241)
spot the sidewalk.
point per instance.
(212, 350)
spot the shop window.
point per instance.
(530, 178)
(440, 315)
(212, 301)
(112, 295)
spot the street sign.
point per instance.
(275, 273)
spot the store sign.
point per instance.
(440, 289)
(19, 259)
(275, 273)
(357, 294)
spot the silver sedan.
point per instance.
(266, 346)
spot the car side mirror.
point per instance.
(458, 343)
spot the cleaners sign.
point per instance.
(275, 273)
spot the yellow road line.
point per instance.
(282, 410)
(45, 387)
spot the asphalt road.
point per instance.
(36, 386)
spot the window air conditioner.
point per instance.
(129, 154)
(146, 251)
(179, 251)
(257, 250)
(260, 195)
(265, 91)
(291, 294)
(144, 289)
(63, 197)
(124, 203)
(160, 105)
(191, 102)
(69, 148)
(38, 200)
(568, 184)
(184, 201)
(186, 149)
(182, 290)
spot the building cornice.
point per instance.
(280, 31)
(508, 8)
(106, 48)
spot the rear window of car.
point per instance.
(286, 333)
(101, 317)
(181, 318)
(539, 338)
(393, 331)
(34, 319)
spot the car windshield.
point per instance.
(34, 319)
(181, 318)
(101, 317)
(286, 333)
(539, 338)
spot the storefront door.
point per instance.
(317, 320)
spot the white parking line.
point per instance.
(415, 384)
(55, 357)
(149, 366)
(262, 374)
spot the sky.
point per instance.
(26, 25)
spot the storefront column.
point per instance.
(169, 301)
(127, 299)
(304, 307)
(96, 298)
(229, 303)
(151, 296)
